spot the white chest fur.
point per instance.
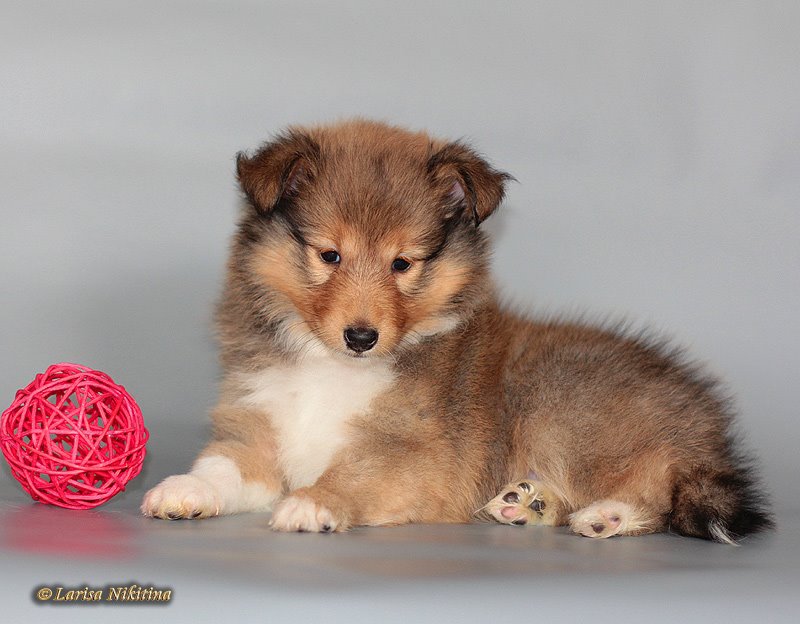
(310, 404)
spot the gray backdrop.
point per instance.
(656, 148)
(655, 144)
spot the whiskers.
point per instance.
(411, 338)
(296, 337)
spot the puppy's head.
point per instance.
(363, 237)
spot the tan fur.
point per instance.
(478, 396)
(249, 440)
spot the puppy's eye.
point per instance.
(330, 257)
(400, 265)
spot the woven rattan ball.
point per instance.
(73, 437)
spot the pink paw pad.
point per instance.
(522, 502)
(511, 513)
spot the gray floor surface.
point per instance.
(236, 568)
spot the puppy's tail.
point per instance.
(719, 505)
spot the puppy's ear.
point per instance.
(469, 183)
(278, 170)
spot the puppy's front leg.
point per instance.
(237, 472)
(394, 488)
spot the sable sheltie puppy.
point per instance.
(370, 376)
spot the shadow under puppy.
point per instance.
(372, 378)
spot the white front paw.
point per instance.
(301, 513)
(181, 496)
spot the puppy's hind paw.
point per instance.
(606, 519)
(524, 502)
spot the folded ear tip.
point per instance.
(276, 169)
(478, 184)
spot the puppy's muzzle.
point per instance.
(360, 339)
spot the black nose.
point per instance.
(360, 339)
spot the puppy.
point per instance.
(372, 378)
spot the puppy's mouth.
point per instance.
(373, 358)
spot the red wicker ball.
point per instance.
(73, 437)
